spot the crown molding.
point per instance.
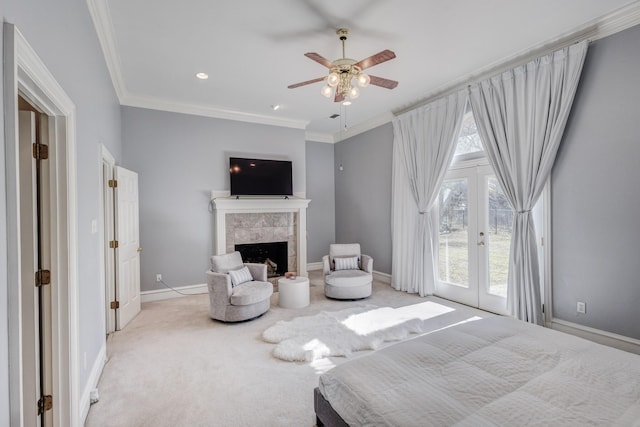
(611, 23)
(364, 126)
(101, 16)
(614, 22)
(618, 20)
(208, 111)
(319, 137)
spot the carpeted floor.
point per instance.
(174, 366)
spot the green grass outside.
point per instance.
(453, 247)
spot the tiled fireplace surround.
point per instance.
(262, 220)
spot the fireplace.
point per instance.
(273, 254)
(262, 220)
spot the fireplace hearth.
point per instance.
(273, 254)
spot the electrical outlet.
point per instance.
(158, 277)
(581, 307)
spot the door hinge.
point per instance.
(43, 277)
(113, 244)
(40, 151)
(45, 404)
(114, 305)
(113, 183)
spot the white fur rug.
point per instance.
(339, 333)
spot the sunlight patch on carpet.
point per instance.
(339, 333)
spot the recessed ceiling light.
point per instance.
(274, 107)
(202, 76)
(346, 103)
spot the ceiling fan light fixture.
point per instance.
(326, 91)
(363, 80)
(333, 79)
(202, 76)
(345, 74)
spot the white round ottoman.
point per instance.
(293, 293)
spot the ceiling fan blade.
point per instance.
(319, 59)
(308, 82)
(376, 59)
(379, 81)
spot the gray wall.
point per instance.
(4, 324)
(595, 198)
(363, 193)
(179, 159)
(63, 36)
(321, 215)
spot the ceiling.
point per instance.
(253, 49)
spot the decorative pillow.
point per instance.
(240, 276)
(346, 263)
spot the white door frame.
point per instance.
(26, 74)
(476, 293)
(106, 228)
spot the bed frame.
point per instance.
(325, 414)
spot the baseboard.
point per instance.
(610, 339)
(314, 266)
(161, 294)
(92, 382)
(383, 277)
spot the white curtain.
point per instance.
(423, 146)
(521, 116)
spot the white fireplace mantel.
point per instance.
(224, 204)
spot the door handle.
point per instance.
(139, 249)
(480, 243)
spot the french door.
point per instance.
(475, 223)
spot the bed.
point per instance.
(489, 372)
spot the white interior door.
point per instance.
(474, 239)
(108, 229)
(128, 250)
(35, 256)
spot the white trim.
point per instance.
(25, 73)
(92, 382)
(226, 205)
(312, 266)
(548, 260)
(383, 277)
(105, 158)
(616, 21)
(602, 337)
(319, 137)
(162, 294)
(364, 126)
(101, 16)
(209, 111)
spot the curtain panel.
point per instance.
(423, 146)
(521, 115)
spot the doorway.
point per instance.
(120, 243)
(475, 222)
(37, 378)
(27, 77)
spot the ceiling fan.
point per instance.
(343, 72)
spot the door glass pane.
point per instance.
(499, 238)
(453, 248)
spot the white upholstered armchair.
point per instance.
(237, 291)
(348, 273)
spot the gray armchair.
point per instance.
(349, 277)
(244, 301)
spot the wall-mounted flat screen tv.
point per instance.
(256, 177)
